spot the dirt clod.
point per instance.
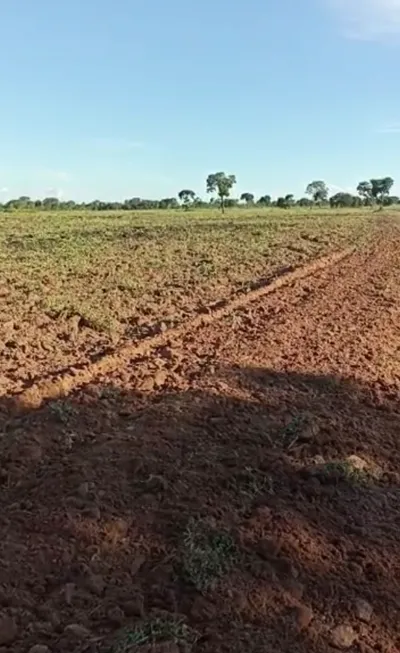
(8, 629)
(160, 378)
(76, 631)
(95, 584)
(304, 617)
(364, 610)
(342, 637)
(116, 615)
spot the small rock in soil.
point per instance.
(77, 631)
(357, 463)
(147, 385)
(93, 511)
(364, 610)
(304, 617)
(116, 616)
(95, 584)
(160, 378)
(310, 432)
(8, 629)
(83, 490)
(295, 588)
(342, 637)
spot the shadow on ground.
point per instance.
(258, 515)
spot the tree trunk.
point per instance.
(223, 204)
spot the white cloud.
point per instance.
(370, 20)
(117, 144)
(4, 190)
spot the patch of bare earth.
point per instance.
(237, 490)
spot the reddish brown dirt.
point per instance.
(245, 423)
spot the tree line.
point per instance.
(375, 192)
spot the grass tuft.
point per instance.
(154, 631)
(207, 554)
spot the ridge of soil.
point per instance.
(62, 384)
(275, 427)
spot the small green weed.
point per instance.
(343, 470)
(207, 554)
(251, 483)
(155, 631)
(291, 431)
(62, 411)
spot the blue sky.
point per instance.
(111, 99)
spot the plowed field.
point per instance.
(233, 485)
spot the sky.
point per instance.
(109, 99)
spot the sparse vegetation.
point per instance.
(346, 470)
(252, 483)
(62, 411)
(154, 631)
(118, 273)
(207, 554)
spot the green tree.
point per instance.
(248, 198)
(50, 203)
(392, 200)
(265, 200)
(364, 189)
(304, 202)
(341, 200)
(285, 202)
(187, 198)
(168, 203)
(318, 191)
(375, 190)
(221, 184)
(381, 189)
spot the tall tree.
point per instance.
(248, 198)
(304, 202)
(364, 189)
(341, 200)
(381, 189)
(318, 190)
(375, 190)
(265, 200)
(50, 203)
(168, 203)
(187, 198)
(221, 184)
(285, 202)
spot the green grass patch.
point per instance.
(207, 554)
(154, 631)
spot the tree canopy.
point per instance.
(222, 184)
(376, 191)
(318, 190)
(187, 197)
(248, 198)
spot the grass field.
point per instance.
(121, 273)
